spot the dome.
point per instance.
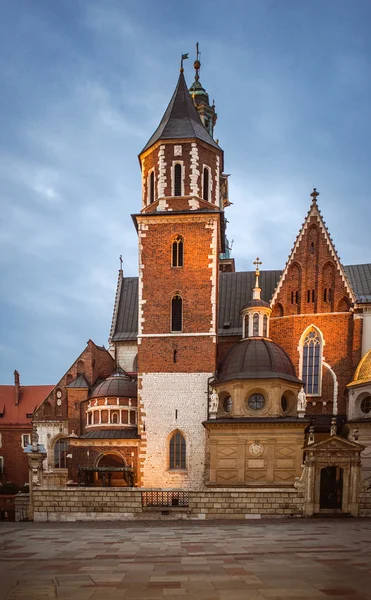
(256, 359)
(256, 302)
(363, 371)
(116, 386)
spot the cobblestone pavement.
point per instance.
(266, 560)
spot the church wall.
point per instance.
(366, 334)
(193, 155)
(342, 348)
(15, 460)
(126, 353)
(89, 453)
(170, 402)
(48, 432)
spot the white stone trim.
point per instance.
(177, 333)
(314, 212)
(218, 198)
(314, 315)
(336, 386)
(161, 183)
(213, 265)
(194, 169)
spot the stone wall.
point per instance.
(365, 503)
(21, 505)
(119, 504)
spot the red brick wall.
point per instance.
(193, 281)
(15, 460)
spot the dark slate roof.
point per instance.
(127, 314)
(239, 420)
(360, 279)
(110, 434)
(235, 290)
(79, 382)
(116, 386)
(255, 358)
(181, 119)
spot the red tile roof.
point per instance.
(30, 397)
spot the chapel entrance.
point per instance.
(115, 465)
(331, 488)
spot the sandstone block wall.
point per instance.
(115, 504)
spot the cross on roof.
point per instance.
(257, 262)
(120, 259)
(314, 194)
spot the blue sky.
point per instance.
(84, 85)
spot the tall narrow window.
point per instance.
(265, 326)
(308, 296)
(325, 295)
(176, 313)
(178, 180)
(297, 297)
(152, 187)
(60, 454)
(312, 295)
(255, 324)
(247, 326)
(312, 356)
(177, 452)
(1, 465)
(206, 184)
(177, 252)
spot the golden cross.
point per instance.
(257, 262)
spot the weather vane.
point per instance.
(184, 57)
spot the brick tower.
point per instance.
(180, 230)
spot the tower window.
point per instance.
(177, 451)
(176, 313)
(60, 454)
(178, 180)
(255, 324)
(312, 295)
(297, 297)
(325, 295)
(329, 294)
(265, 326)
(311, 371)
(177, 252)
(152, 187)
(308, 296)
(312, 248)
(206, 184)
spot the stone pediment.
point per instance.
(335, 443)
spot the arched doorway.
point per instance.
(331, 488)
(114, 461)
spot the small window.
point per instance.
(152, 187)
(325, 295)
(297, 297)
(255, 330)
(256, 402)
(1, 465)
(60, 454)
(292, 297)
(206, 184)
(26, 440)
(312, 295)
(227, 404)
(176, 313)
(247, 326)
(114, 418)
(284, 404)
(29, 415)
(329, 295)
(178, 180)
(312, 248)
(366, 405)
(265, 326)
(177, 451)
(308, 296)
(177, 252)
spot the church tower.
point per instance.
(180, 231)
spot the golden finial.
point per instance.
(184, 57)
(257, 262)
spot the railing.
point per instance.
(165, 499)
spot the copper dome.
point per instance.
(256, 359)
(116, 386)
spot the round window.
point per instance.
(227, 404)
(284, 404)
(366, 405)
(256, 401)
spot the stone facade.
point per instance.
(173, 402)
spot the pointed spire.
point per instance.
(181, 119)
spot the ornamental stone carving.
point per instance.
(214, 404)
(256, 449)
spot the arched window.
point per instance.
(265, 326)
(114, 418)
(177, 180)
(176, 313)
(312, 362)
(177, 454)
(206, 184)
(177, 252)
(152, 187)
(247, 326)
(60, 454)
(255, 324)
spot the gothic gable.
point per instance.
(314, 280)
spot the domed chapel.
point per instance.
(216, 378)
